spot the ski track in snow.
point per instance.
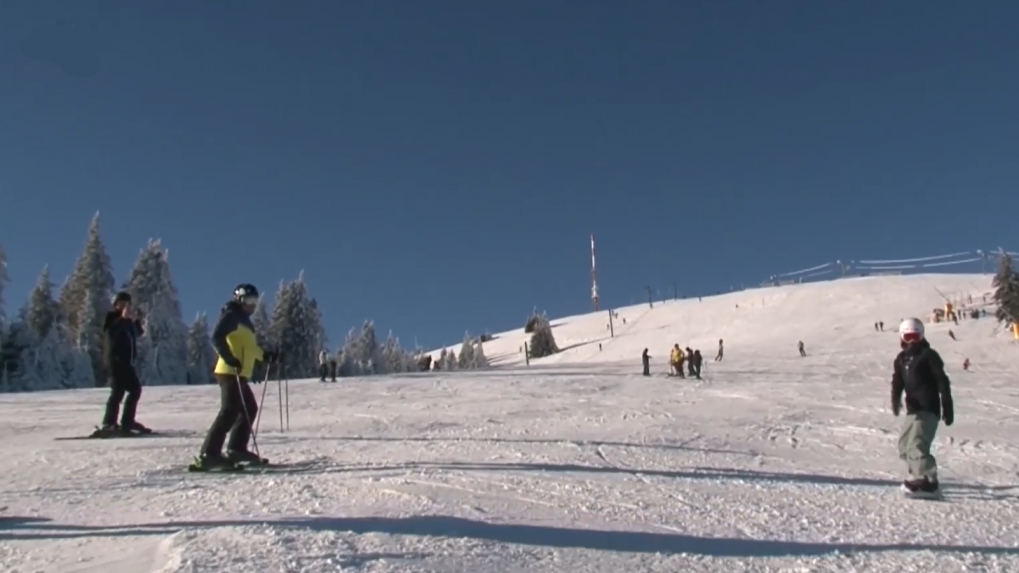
(775, 463)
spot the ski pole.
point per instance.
(279, 392)
(247, 413)
(258, 417)
(286, 385)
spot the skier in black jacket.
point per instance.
(121, 331)
(919, 373)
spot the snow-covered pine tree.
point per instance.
(201, 356)
(42, 310)
(5, 279)
(370, 358)
(480, 360)
(1006, 291)
(449, 362)
(293, 330)
(49, 361)
(349, 355)
(466, 359)
(542, 340)
(162, 352)
(262, 323)
(316, 326)
(85, 296)
(393, 357)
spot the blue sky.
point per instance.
(438, 166)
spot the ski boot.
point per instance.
(213, 463)
(107, 431)
(925, 488)
(135, 427)
(244, 457)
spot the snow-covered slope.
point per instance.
(772, 463)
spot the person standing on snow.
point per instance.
(919, 373)
(721, 351)
(121, 331)
(803, 351)
(646, 360)
(323, 365)
(696, 360)
(676, 361)
(234, 341)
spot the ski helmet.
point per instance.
(122, 296)
(911, 330)
(246, 293)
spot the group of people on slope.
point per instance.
(234, 341)
(679, 357)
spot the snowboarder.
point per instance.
(121, 330)
(721, 351)
(919, 372)
(803, 351)
(697, 360)
(234, 341)
(646, 360)
(323, 365)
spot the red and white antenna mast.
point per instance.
(594, 277)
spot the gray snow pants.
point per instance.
(915, 444)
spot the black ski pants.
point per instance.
(235, 397)
(123, 381)
(323, 370)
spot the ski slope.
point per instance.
(576, 463)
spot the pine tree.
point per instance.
(162, 352)
(466, 360)
(49, 361)
(6, 352)
(449, 362)
(5, 279)
(201, 356)
(370, 358)
(85, 297)
(542, 340)
(263, 324)
(393, 356)
(42, 311)
(348, 363)
(1006, 293)
(480, 360)
(293, 329)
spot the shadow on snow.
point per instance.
(23, 528)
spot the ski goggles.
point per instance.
(912, 337)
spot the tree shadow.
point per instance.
(519, 534)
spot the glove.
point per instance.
(272, 356)
(896, 407)
(948, 412)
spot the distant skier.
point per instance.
(689, 363)
(721, 351)
(332, 368)
(881, 325)
(952, 335)
(646, 360)
(121, 331)
(234, 341)
(965, 364)
(323, 365)
(875, 327)
(919, 372)
(803, 351)
(696, 361)
(676, 361)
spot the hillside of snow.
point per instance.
(575, 463)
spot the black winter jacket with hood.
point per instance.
(120, 336)
(919, 372)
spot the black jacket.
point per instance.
(230, 318)
(120, 340)
(919, 372)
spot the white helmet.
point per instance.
(911, 330)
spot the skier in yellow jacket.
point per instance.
(676, 359)
(234, 341)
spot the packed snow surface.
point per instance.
(575, 463)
